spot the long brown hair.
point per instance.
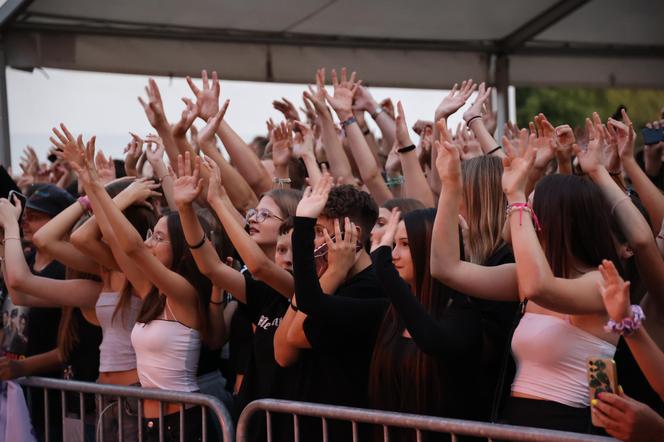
(388, 365)
(485, 206)
(184, 264)
(576, 225)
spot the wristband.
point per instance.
(281, 180)
(199, 244)
(84, 201)
(628, 325)
(406, 149)
(10, 237)
(394, 182)
(470, 120)
(494, 150)
(348, 122)
(293, 306)
(615, 173)
(217, 303)
(521, 207)
(615, 205)
(377, 112)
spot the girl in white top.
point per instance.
(555, 271)
(179, 292)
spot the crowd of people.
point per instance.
(456, 276)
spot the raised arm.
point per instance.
(303, 148)
(456, 98)
(336, 156)
(615, 293)
(188, 186)
(473, 118)
(244, 159)
(239, 191)
(23, 285)
(155, 157)
(651, 196)
(494, 283)
(364, 101)
(415, 183)
(261, 266)
(342, 102)
(154, 110)
(535, 278)
(633, 225)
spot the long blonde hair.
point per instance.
(485, 206)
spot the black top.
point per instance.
(342, 331)
(84, 357)
(633, 381)
(454, 340)
(42, 328)
(265, 308)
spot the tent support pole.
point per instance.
(5, 147)
(501, 79)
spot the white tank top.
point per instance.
(551, 357)
(167, 354)
(116, 352)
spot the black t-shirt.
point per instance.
(265, 308)
(84, 357)
(341, 329)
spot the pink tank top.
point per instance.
(551, 357)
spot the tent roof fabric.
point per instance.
(430, 43)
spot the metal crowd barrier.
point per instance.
(122, 392)
(418, 424)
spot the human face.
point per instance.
(32, 221)
(401, 257)
(159, 243)
(284, 254)
(381, 222)
(265, 233)
(323, 223)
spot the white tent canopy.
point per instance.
(426, 43)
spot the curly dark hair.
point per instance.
(356, 204)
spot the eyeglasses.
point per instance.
(260, 215)
(156, 237)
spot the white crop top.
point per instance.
(551, 358)
(167, 354)
(115, 351)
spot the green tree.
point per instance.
(572, 105)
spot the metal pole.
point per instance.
(502, 82)
(5, 148)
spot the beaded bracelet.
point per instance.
(521, 207)
(394, 182)
(628, 325)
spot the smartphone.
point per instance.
(652, 136)
(602, 378)
(22, 198)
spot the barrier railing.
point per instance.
(417, 423)
(122, 393)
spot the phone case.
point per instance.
(602, 377)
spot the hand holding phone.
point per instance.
(602, 378)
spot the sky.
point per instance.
(106, 105)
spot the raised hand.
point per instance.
(385, 237)
(393, 162)
(10, 212)
(154, 107)
(216, 189)
(545, 141)
(105, 168)
(341, 250)
(314, 199)
(207, 99)
(303, 142)
(188, 185)
(281, 137)
(421, 125)
(316, 97)
(29, 161)
(388, 106)
(517, 165)
(156, 154)
(344, 90)
(475, 109)
(448, 160)
(590, 159)
(403, 137)
(141, 189)
(364, 101)
(456, 98)
(287, 108)
(132, 153)
(187, 118)
(614, 291)
(625, 135)
(511, 131)
(206, 136)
